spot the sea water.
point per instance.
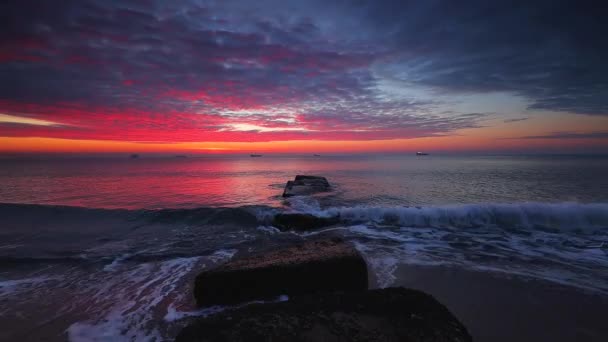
(105, 249)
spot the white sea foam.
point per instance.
(112, 328)
(116, 262)
(174, 315)
(268, 229)
(305, 204)
(5, 284)
(265, 214)
(124, 306)
(9, 287)
(222, 255)
(384, 269)
(317, 232)
(568, 258)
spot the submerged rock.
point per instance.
(305, 185)
(301, 222)
(392, 314)
(310, 267)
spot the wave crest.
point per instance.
(548, 216)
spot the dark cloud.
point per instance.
(550, 52)
(86, 53)
(569, 135)
(515, 120)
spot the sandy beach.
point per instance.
(505, 308)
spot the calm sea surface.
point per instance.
(106, 249)
(242, 180)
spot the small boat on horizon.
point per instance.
(421, 154)
(255, 155)
(316, 155)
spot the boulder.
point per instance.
(309, 267)
(312, 180)
(297, 221)
(392, 314)
(305, 185)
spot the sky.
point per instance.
(303, 76)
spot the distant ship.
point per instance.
(316, 155)
(421, 154)
(255, 155)
(134, 156)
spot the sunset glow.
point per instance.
(190, 77)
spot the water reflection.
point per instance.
(241, 180)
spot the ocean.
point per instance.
(106, 248)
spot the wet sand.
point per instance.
(497, 307)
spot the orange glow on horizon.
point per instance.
(447, 143)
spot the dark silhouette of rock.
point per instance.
(301, 222)
(310, 267)
(312, 180)
(393, 314)
(305, 185)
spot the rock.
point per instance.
(312, 180)
(392, 314)
(300, 222)
(310, 267)
(305, 185)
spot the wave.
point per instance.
(110, 261)
(244, 215)
(569, 216)
(573, 217)
(9, 260)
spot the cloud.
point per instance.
(515, 120)
(20, 120)
(551, 53)
(568, 135)
(271, 70)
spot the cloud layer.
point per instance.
(276, 70)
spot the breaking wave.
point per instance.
(128, 272)
(544, 216)
(549, 216)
